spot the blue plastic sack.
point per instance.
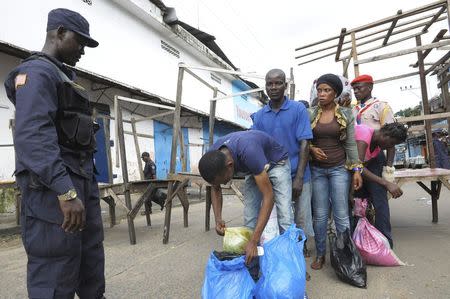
(283, 267)
(227, 279)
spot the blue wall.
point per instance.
(242, 107)
(100, 157)
(220, 129)
(163, 144)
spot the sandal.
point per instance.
(318, 263)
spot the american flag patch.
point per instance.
(20, 80)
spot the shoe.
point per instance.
(308, 277)
(318, 263)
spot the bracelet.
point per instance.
(360, 169)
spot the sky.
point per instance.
(258, 35)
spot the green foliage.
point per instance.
(7, 199)
(411, 111)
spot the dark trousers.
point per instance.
(377, 195)
(61, 264)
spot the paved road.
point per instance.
(150, 269)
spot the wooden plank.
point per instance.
(393, 42)
(199, 78)
(438, 37)
(408, 13)
(173, 154)
(139, 134)
(182, 152)
(442, 60)
(354, 55)
(123, 162)
(116, 131)
(238, 193)
(391, 28)
(433, 19)
(373, 39)
(363, 36)
(402, 52)
(423, 117)
(395, 77)
(142, 199)
(116, 198)
(340, 42)
(144, 103)
(136, 147)
(444, 81)
(425, 103)
(154, 116)
(212, 117)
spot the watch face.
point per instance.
(72, 194)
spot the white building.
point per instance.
(138, 57)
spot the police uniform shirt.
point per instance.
(33, 88)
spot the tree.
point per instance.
(411, 111)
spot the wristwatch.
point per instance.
(69, 195)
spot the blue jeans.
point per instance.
(330, 187)
(302, 210)
(280, 177)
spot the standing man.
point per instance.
(149, 168)
(62, 229)
(266, 166)
(375, 113)
(287, 121)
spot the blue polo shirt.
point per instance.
(288, 127)
(251, 150)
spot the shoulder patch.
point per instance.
(20, 80)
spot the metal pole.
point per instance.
(426, 104)
(173, 156)
(123, 161)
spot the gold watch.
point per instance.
(69, 195)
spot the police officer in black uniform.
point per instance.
(62, 229)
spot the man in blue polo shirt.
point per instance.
(266, 166)
(288, 123)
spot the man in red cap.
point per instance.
(374, 113)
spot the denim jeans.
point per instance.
(280, 177)
(330, 187)
(302, 210)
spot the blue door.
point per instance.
(100, 157)
(163, 143)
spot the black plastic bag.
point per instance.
(253, 267)
(346, 260)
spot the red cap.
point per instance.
(363, 79)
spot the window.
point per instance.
(216, 78)
(168, 48)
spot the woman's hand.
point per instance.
(318, 154)
(357, 180)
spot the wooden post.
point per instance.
(292, 85)
(123, 162)
(426, 104)
(173, 156)
(212, 117)
(106, 128)
(183, 154)
(444, 87)
(136, 146)
(445, 98)
(116, 126)
(354, 55)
